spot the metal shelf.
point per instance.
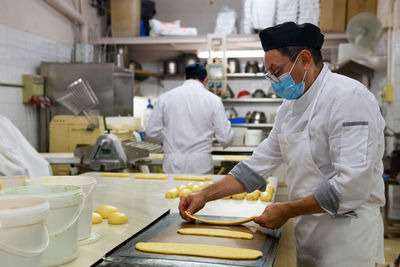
(245, 75)
(252, 100)
(253, 125)
(146, 48)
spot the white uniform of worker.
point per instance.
(332, 140)
(17, 156)
(185, 120)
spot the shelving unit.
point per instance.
(149, 49)
(245, 75)
(253, 125)
(252, 100)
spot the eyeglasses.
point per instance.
(273, 76)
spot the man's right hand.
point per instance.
(191, 203)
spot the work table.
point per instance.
(143, 201)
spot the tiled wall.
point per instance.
(394, 108)
(21, 53)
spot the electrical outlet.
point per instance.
(33, 86)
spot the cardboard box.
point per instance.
(355, 7)
(333, 15)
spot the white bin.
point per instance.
(253, 137)
(88, 184)
(65, 207)
(23, 233)
(12, 181)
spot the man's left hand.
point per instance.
(274, 216)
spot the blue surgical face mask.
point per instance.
(286, 87)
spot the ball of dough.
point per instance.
(181, 187)
(117, 218)
(266, 196)
(227, 197)
(190, 185)
(196, 188)
(185, 192)
(173, 193)
(253, 196)
(271, 188)
(106, 210)
(96, 218)
(239, 196)
(201, 185)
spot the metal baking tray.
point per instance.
(164, 230)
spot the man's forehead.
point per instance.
(273, 57)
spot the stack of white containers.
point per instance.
(40, 224)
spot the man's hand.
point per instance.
(274, 216)
(191, 203)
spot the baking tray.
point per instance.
(164, 230)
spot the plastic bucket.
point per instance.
(88, 184)
(65, 207)
(253, 137)
(23, 233)
(12, 181)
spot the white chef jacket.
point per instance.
(347, 144)
(185, 119)
(17, 156)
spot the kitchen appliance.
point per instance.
(252, 67)
(170, 67)
(253, 137)
(188, 59)
(259, 93)
(164, 229)
(216, 66)
(233, 65)
(109, 153)
(114, 88)
(258, 117)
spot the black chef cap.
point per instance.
(291, 34)
(195, 71)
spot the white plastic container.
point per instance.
(88, 184)
(65, 207)
(253, 137)
(239, 134)
(23, 233)
(12, 181)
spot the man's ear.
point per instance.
(305, 58)
(205, 81)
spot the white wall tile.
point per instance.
(21, 53)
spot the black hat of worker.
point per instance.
(291, 34)
(196, 69)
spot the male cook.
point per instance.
(329, 132)
(185, 119)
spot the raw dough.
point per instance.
(181, 187)
(115, 174)
(253, 196)
(266, 196)
(227, 197)
(117, 218)
(185, 192)
(196, 188)
(173, 193)
(192, 178)
(215, 232)
(157, 176)
(220, 222)
(96, 218)
(271, 188)
(200, 250)
(239, 196)
(106, 210)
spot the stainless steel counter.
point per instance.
(143, 201)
